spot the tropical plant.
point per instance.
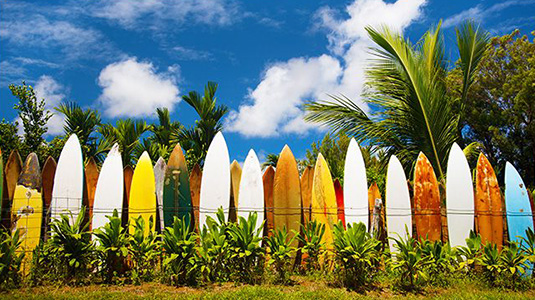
(43, 268)
(334, 151)
(471, 252)
(10, 259)
(357, 253)
(143, 251)
(406, 87)
(214, 250)
(160, 143)
(491, 263)
(179, 245)
(442, 260)
(311, 246)
(271, 160)
(409, 263)
(246, 254)
(514, 263)
(281, 253)
(126, 134)
(9, 139)
(528, 246)
(112, 247)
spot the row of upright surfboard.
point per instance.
(280, 196)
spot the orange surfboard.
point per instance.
(235, 177)
(426, 200)
(12, 173)
(373, 193)
(91, 178)
(488, 203)
(306, 192)
(195, 178)
(340, 201)
(267, 179)
(128, 174)
(287, 194)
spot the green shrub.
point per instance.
(144, 251)
(357, 253)
(470, 253)
(43, 267)
(112, 247)
(180, 260)
(409, 263)
(491, 263)
(214, 250)
(442, 261)
(312, 248)
(514, 264)
(281, 254)
(10, 259)
(528, 246)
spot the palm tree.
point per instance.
(196, 140)
(271, 160)
(406, 88)
(83, 123)
(160, 143)
(127, 134)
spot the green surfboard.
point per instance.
(176, 192)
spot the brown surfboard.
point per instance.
(47, 175)
(91, 178)
(426, 200)
(235, 178)
(128, 174)
(12, 172)
(267, 179)
(488, 203)
(306, 192)
(195, 178)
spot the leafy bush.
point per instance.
(214, 250)
(112, 247)
(514, 264)
(470, 253)
(143, 251)
(528, 246)
(10, 259)
(491, 263)
(357, 253)
(409, 263)
(246, 254)
(281, 254)
(43, 267)
(180, 263)
(441, 260)
(312, 248)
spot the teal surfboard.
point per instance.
(518, 208)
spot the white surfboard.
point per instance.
(398, 203)
(68, 187)
(109, 191)
(159, 176)
(355, 186)
(215, 183)
(251, 189)
(459, 197)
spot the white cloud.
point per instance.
(184, 53)
(53, 92)
(479, 13)
(274, 106)
(136, 89)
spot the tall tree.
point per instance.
(127, 134)
(160, 142)
(333, 150)
(406, 86)
(9, 139)
(33, 115)
(271, 160)
(500, 107)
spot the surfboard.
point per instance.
(339, 192)
(518, 208)
(12, 173)
(306, 192)
(91, 178)
(68, 181)
(373, 195)
(426, 200)
(459, 197)
(176, 189)
(128, 173)
(356, 186)
(215, 183)
(143, 194)
(398, 203)
(27, 209)
(251, 189)
(488, 203)
(159, 177)
(324, 209)
(49, 170)
(235, 177)
(268, 179)
(109, 191)
(195, 178)
(1, 179)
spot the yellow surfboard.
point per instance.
(27, 210)
(306, 192)
(235, 177)
(143, 194)
(324, 208)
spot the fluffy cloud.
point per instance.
(274, 106)
(53, 92)
(479, 12)
(135, 89)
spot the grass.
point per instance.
(305, 288)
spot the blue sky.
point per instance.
(125, 58)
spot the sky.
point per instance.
(127, 58)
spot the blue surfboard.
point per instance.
(518, 208)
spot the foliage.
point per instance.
(528, 246)
(144, 251)
(357, 253)
(490, 261)
(33, 115)
(409, 263)
(214, 250)
(312, 247)
(375, 160)
(471, 252)
(281, 253)
(126, 133)
(513, 262)
(406, 86)
(10, 259)
(180, 264)
(160, 143)
(112, 247)
(333, 150)
(271, 160)
(442, 260)
(9, 139)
